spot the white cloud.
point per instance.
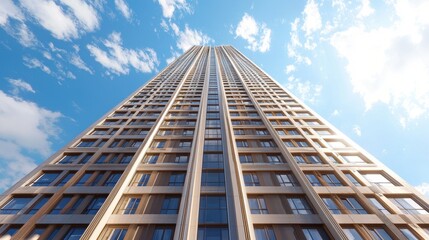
(190, 37)
(9, 10)
(118, 59)
(258, 36)
(423, 188)
(294, 45)
(66, 21)
(79, 63)
(123, 8)
(36, 63)
(290, 68)
(305, 90)
(174, 55)
(365, 9)
(357, 130)
(20, 85)
(395, 60)
(312, 18)
(24, 128)
(164, 25)
(169, 6)
(335, 113)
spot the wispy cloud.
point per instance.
(20, 85)
(24, 128)
(119, 60)
(77, 61)
(190, 37)
(357, 130)
(123, 8)
(423, 188)
(306, 90)
(36, 63)
(257, 35)
(170, 6)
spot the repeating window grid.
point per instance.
(251, 179)
(408, 206)
(353, 206)
(257, 205)
(264, 233)
(170, 205)
(131, 205)
(299, 206)
(286, 180)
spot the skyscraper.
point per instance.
(212, 148)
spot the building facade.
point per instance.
(212, 148)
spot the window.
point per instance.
(264, 233)
(213, 133)
(353, 205)
(352, 234)
(245, 158)
(408, 234)
(315, 234)
(257, 205)
(379, 234)
(131, 205)
(212, 145)
(353, 179)
(238, 131)
(274, 159)
(299, 206)
(61, 205)
(267, 144)
(331, 180)
(378, 205)
(353, 159)
(86, 143)
(170, 205)
(68, 159)
(251, 179)
(313, 180)
(176, 179)
(141, 179)
(74, 233)
(314, 159)
(185, 144)
(242, 143)
(39, 204)
(45, 179)
(181, 159)
(10, 232)
(113, 179)
(212, 178)
(188, 133)
(408, 206)
(212, 209)
(163, 233)
(286, 179)
(15, 205)
(332, 206)
(126, 158)
(84, 179)
(212, 160)
(151, 159)
(86, 158)
(66, 179)
(377, 179)
(118, 234)
(95, 205)
(212, 233)
(262, 132)
(159, 144)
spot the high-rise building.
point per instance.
(212, 148)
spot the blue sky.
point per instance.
(362, 65)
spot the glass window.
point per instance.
(378, 205)
(313, 180)
(212, 145)
(159, 144)
(299, 206)
(68, 159)
(315, 234)
(212, 233)
(151, 159)
(95, 205)
(213, 209)
(181, 159)
(45, 179)
(86, 158)
(242, 143)
(264, 233)
(176, 179)
(131, 205)
(15, 205)
(352, 234)
(286, 179)
(118, 234)
(379, 234)
(408, 206)
(143, 179)
(377, 179)
(185, 144)
(299, 159)
(74, 233)
(274, 159)
(170, 205)
(408, 234)
(246, 158)
(212, 178)
(353, 159)
(353, 179)
(84, 179)
(113, 179)
(86, 143)
(332, 206)
(213, 160)
(163, 233)
(126, 158)
(251, 179)
(257, 205)
(331, 180)
(39, 204)
(61, 205)
(353, 205)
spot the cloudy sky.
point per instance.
(362, 65)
